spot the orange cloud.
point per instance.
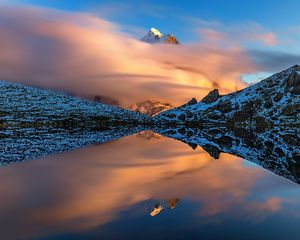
(87, 56)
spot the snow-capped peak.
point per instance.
(155, 36)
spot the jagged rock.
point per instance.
(193, 145)
(211, 97)
(212, 151)
(192, 101)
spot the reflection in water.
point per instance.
(19, 143)
(163, 204)
(110, 190)
(276, 149)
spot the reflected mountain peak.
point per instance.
(161, 205)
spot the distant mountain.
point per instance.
(155, 36)
(151, 107)
(273, 101)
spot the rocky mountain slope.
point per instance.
(273, 101)
(23, 105)
(155, 36)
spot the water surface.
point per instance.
(145, 186)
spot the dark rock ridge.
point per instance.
(276, 149)
(273, 101)
(211, 97)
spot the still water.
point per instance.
(145, 186)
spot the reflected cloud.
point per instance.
(81, 190)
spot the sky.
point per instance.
(223, 43)
(175, 16)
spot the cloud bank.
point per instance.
(86, 56)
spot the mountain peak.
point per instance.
(155, 36)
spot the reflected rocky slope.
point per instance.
(276, 149)
(26, 143)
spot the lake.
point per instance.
(145, 186)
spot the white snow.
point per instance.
(156, 32)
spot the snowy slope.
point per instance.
(20, 104)
(273, 101)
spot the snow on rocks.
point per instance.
(273, 101)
